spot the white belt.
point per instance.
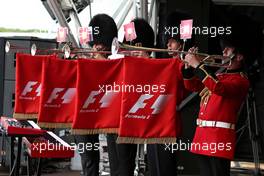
(218, 124)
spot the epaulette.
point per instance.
(244, 75)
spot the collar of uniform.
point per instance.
(234, 71)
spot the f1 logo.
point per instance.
(157, 106)
(29, 88)
(67, 96)
(104, 101)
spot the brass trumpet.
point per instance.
(33, 48)
(81, 52)
(9, 47)
(66, 50)
(209, 60)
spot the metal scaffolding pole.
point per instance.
(125, 12)
(74, 16)
(144, 9)
(119, 9)
(57, 11)
(155, 19)
(90, 10)
(135, 8)
(151, 9)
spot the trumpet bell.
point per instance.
(7, 46)
(67, 51)
(115, 46)
(33, 50)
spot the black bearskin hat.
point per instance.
(104, 30)
(173, 22)
(145, 33)
(245, 37)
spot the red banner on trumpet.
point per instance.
(108, 96)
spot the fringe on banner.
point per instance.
(133, 140)
(94, 131)
(20, 116)
(54, 125)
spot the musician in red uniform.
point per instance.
(126, 153)
(161, 161)
(221, 97)
(102, 41)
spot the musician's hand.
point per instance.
(98, 56)
(192, 59)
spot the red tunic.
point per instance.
(221, 98)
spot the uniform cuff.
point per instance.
(187, 73)
(200, 72)
(203, 71)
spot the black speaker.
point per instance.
(8, 67)
(7, 79)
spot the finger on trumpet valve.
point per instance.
(192, 50)
(196, 49)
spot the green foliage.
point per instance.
(2, 29)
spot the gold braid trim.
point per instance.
(54, 125)
(207, 75)
(20, 116)
(133, 140)
(204, 94)
(94, 131)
